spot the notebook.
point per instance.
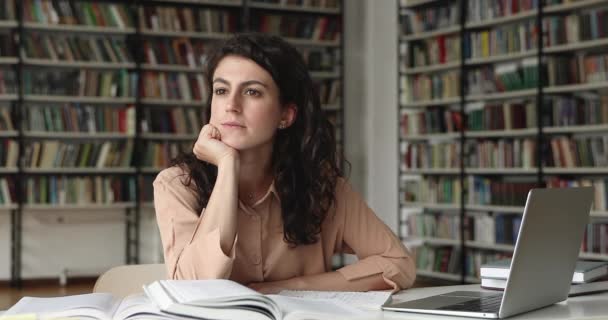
(551, 233)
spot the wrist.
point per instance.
(229, 161)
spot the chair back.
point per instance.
(124, 280)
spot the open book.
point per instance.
(225, 299)
(91, 306)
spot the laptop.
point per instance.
(543, 262)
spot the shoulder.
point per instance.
(171, 175)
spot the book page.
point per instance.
(139, 306)
(185, 291)
(294, 308)
(94, 305)
(372, 300)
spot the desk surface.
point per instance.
(593, 306)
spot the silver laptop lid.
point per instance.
(555, 232)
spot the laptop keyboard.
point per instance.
(484, 304)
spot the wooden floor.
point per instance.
(9, 295)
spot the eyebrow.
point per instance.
(246, 83)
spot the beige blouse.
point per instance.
(260, 254)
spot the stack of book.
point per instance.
(589, 276)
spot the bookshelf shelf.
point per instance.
(79, 207)
(187, 34)
(583, 45)
(580, 4)
(415, 3)
(431, 206)
(82, 99)
(502, 95)
(8, 24)
(9, 133)
(168, 136)
(77, 28)
(490, 246)
(8, 60)
(147, 205)
(324, 75)
(576, 129)
(76, 135)
(495, 208)
(8, 97)
(585, 170)
(438, 275)
(501, 171)
(174, 102)
(431, 68)
(430, 34)
(440, 241)
(431, 136)
(313, 43)
(295, 8)
(223, 3)
(437, 171)
(6, 170)
(502, 20)
(76, 64)
(500, 58)
(170, 68)
(80, 170)
(576, 87)
(428, 103)
(501, 133)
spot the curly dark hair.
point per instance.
(304, 156)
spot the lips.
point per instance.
(232, 124)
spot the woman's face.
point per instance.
(245, 104)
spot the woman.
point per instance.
(260, 199)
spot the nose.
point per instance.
(233, 103)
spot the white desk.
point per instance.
(582, 307)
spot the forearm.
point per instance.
(221, 210)
(334, 281)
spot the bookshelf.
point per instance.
(97, 96)
(482, 122)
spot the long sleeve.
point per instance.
(377, 247)
(189, 254)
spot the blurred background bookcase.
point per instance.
(96, 97)
(489, 107)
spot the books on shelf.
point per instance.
(431, 120)
(585, 271)
(6, 120)
(575, 27)
(65, 190)
(175, 51)
(7, 10)
(80, 83)
(7, 191)
(443, 190)
(9, 153)
(186, 19)
(329, 91)
(174, 86)
(500, 153)
(485, 191)
(330, 4)
(159, 154)
(508, 115)
(7, 45)
(435, 86)
(429, 19)
(173, 120)
(575, 289)
(71, 48)
(8, 81)
(75, 117)
(433, 51)
(431, 155)
(501, 40)
(321, 28)
(67, 154)
(321, 59)
(504, 77)
(484, 10)
(65, 12)
(565, 152)
(442, 226)
(444, 259)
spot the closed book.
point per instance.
(585, 271)
(575, 289)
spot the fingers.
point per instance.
(210, 131)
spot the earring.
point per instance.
(282, 125)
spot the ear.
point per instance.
(289, 113)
